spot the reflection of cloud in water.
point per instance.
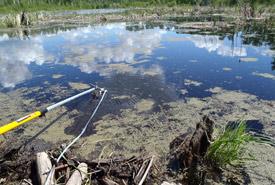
(13, 73)
(213, 43)
(15, 55)
(4, 37)
(93, 57)
(268, 52)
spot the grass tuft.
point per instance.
(231, 145)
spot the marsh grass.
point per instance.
(231, 145)
(10, 21)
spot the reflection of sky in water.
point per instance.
(214, 44)
(106, 50)
(15, 55)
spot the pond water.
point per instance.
(161, 78)
(92, 11)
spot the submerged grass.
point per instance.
(231, 145)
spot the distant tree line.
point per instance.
(129, 3)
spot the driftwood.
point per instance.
(79, 175)
(44, 166)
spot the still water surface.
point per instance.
(191, 63)
(144, 66)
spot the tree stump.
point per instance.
(191, 150)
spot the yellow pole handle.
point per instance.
(18, 122)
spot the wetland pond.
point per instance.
(161, 77)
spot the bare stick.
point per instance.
(140, 172)
(147, 171)
(61, 166)
(28, 182)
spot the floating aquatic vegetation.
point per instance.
(57, 76)
(161, 58)
(79, 86)
(265, 75)
(151, 73)
(122, 97)
(190, 82)
(13, 102)
(249, 59)
(119, 68)
(226, 69)
(183, 91)
(139, 62)
(144, 105)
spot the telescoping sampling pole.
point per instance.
(40, 113)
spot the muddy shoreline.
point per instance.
(174, 119)
(186, 160)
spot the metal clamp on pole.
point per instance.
(40, 113)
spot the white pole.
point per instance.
(69, 99)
